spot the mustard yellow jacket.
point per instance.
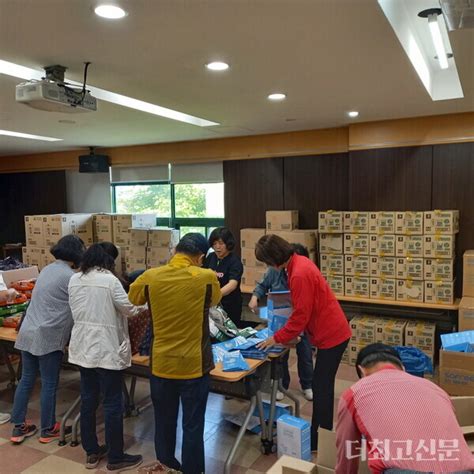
(180, 295)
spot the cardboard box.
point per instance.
(466, 314)
(357, 265)
(336, 283)
(34, 231)
(345, 356)
(409, 246)
(143, 221)
(436, 269)
(353, 324)
(412, 291)
(382, 245)
(441, 222)
(331, 222)
(158, 256)
(365, 328)
(307, 238)
(356, 222)
(357, 286)
(250, 237)
(11, 276)
(410, 268)
(468, 273)
(252, 276)
(464, 409)
(439, 292)
(249, 260)
(135, 252)
(46, 257)
(122, 222)
(289, 465)
(439, 246)
(409, 223)
(394, 332)
(138, 238)
(456, 372)
(164, 238)
(281, 220)
(294, 437)
(331, 264)
(382, 222)
(354, 349)
(331, 243)
(385, 267)
(383, 288)
(102, 228)
(134, 265)
(32, 256)
(379, 328)
(58, 225)
(421, 334)
(356, 244)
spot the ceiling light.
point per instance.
(277, 96)
(22, 72)
(438, 41)
(9, 133)
(217, 66)
(111, 12)
(353, 114)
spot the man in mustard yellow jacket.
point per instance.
(179, 295)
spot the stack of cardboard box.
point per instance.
(253, 269)
(160, 247)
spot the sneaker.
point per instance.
(50, 435)
(93, 460)
(280, 395)
(20, 432)
(128, 461)
(308, 393)
(4, 418)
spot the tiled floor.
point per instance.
(34, 458)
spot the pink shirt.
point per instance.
(407, 422)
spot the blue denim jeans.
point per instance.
(305, 364)
(108, 384)
(166, 395)
(48, 366)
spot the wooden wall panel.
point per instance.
(453, 178)
(25, 194)
(251, 187)
(391, 179)
(315, 183)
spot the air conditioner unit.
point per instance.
(459, 14)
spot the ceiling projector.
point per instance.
(54, 95)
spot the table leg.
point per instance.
(13, 375)
(261, 414)
(294, 399)
(75, 423)
(62, 426)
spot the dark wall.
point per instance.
(26, 194)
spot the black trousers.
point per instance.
(324, 377)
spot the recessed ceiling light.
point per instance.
(277, 96)
(353, 114)
(9, 133)
(217, 66)
(111, 12)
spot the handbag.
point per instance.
(137, 328)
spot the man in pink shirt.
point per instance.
(398, 422)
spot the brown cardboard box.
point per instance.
(357, 265)
(58, 225)
(32, 256)
(464, 409)
(345, 356)
(365, 330)
(356, 222)
(439, 246)
(438, 269)
(34, 231)
(143, 221)
(383, 288)
(441, 222)
(122, 222)
(421, 334)
(408, 290)
(158, 256)
(102, 228)
(336, 283)
(289, 465)
(331, 264)
(382, 222)
(307, 238)
(353, 324)
(138, 238)
(249, 237)
(165, 238)
(379, 328)
(252, 276)
(468, 273)
(383, 267)
(456, 372)
(357, 286)
(356, 244)
(10, 276)
(46, 257)
(439, 292)
(133, 265)
(281, 220)
(135, 252)
(409, 223)
(331, 243)
(249, 260)
(331, 222)
(354, 349)
(409, 246)
(410, 268)
(466, 314)
(394, 332)
(382, 245)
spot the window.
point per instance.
(143, 198)
(199, 200)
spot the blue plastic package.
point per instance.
(233, 361)
(415, 361)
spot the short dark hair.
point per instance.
(273, 250)
(375, 353)
(224, 234)
(300, 249)
(101, 256)
(69, 248)
(193, 244)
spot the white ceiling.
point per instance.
(328, 56)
